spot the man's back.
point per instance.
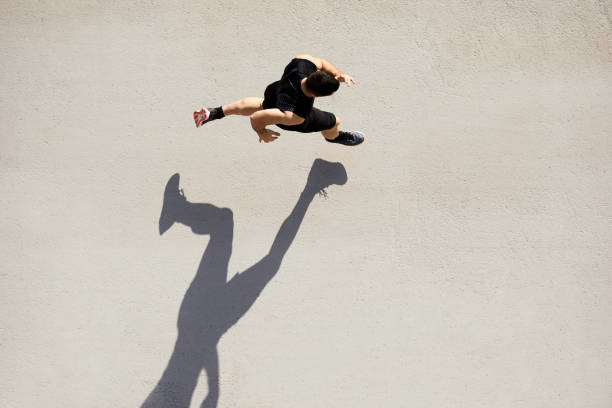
(290, 95)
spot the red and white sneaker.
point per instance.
(201, 117)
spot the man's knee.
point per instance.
(333, 128)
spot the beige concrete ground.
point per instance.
(467, 262)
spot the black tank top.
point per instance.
(290, 95)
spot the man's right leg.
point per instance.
(243, 107)
(350, 138)
(335, 135)
(331, 134)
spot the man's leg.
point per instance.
(327, 123)
(244, 107)
(331, 134)
(350, 138)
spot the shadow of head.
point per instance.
(324, 173)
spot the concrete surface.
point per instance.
(466, 262)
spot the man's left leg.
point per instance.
(243, 107)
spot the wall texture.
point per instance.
(466, 262)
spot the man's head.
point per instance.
(322, 83)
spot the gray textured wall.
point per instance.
(466, 262)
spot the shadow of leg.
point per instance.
(175, 387)
(200, 319)
(211, 366)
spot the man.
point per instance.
(288, 103)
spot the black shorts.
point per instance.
(316, 121)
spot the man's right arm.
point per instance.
(324, 65)
(263, 118)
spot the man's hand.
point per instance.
(348, 80)
(267, 135)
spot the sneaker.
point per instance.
(201, 117)
(350, 138)
(174, 200)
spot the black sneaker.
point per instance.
(350, 138)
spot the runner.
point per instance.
(288, 103)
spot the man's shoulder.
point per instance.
(316, 61)
(297, 69)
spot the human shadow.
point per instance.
(212, 304)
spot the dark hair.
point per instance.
(322, 83)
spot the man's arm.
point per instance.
(263, 118)
(324, 65)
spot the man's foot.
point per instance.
(201, 117)
(350, 138)
(206, 115)
(173, 203)
(323, 174)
